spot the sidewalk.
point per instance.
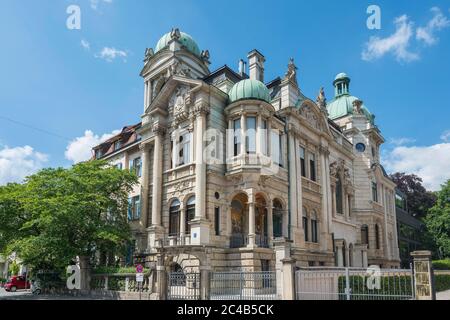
(444, 295)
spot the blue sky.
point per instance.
(57, 80)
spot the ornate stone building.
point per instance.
(229, 164)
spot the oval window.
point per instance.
(360, 147)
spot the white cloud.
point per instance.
(401, 141)
(446, 136)
(110, 54)
(431, 163)
(18, 163)
(85, 44)
(95, 3)
(437, 23)
(80, 149)
(397, 43)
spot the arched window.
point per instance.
(305, 224)
(339, 206)
(365, 235)
(377, 236)
(277, 219)
(174, 218)
(190, 213)
(314, 228)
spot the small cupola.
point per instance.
(341, 84)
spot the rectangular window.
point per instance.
(312, 167)
(98, 154)
(119, 166)
(374, 191)
(136, 166)
(305, 228)
(303, 161)
(250, 136)
(314, 234)
(134, 208)
(280, 152)
(217, 220)
(117, 145)
(184, 145)
(237, 137)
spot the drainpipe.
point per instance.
(289, 184)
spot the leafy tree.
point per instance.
(438, 221)
(419, 199)
(58, 214)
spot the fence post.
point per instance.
(205, 282)
(161, 278)
(127, 284)
(85, 273)
(285, 272)
(347, 284)
(423, 276)
(106, 283)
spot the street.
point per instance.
(26, 295)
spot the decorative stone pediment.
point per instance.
(179, 102)
(311, 116)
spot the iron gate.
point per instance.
(240, 285)
(354, 284)
(183, 286)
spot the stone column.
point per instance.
(251, 223)
(182, 224)
(323, 181)
(85, 273)
(423, 276)
(293, 194)
(156, 230)
(243, 138)
(199, 225)
(270, 221)
(161, 278)
(145, 183)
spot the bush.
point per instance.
(395, 286)
(441, 264)
(442, 282)
(112, 270)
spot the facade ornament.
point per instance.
(148, 54)
(158, 129)
(321, 99)
(307, 112)
(205, 55)
(334, 169)
(200, 108)
(357, 106)
(291, 73)
(178, 70)
(175, 34)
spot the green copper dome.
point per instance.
(249, 89)
(185, 39)
(342, 104)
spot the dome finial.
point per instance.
(291, 73)
(175, 33)
(341, 84)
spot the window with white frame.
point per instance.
(250, 136)
(303, 161)
(134, 208)
(277, 148)
(184, 149)
(136, 166)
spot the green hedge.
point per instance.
(112, 270)
(394, 286)
(442, 282)
(441, 264)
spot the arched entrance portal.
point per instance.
(238, 209)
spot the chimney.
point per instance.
(241, 67)
(256, 65)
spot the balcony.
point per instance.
(241, 241)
